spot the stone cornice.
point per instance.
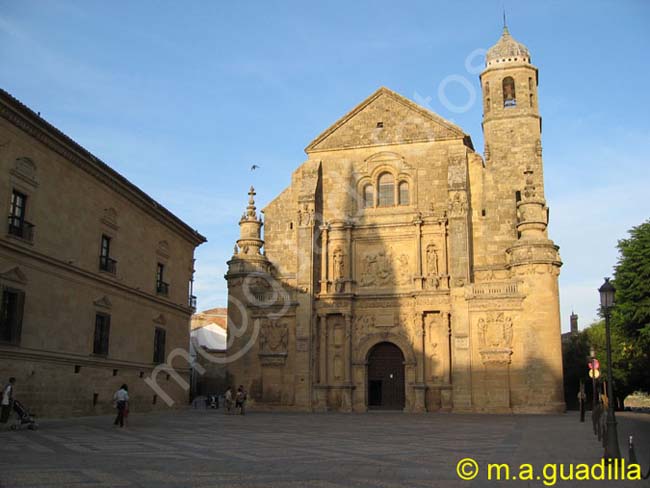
(105, 280)
(22, 353)
(31, 123)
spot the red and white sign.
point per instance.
(594, 364)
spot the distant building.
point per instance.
(95, 275)
(574, 328)
(208, 339)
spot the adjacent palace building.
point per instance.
(95, 275)
(402, 270)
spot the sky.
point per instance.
(183, 97)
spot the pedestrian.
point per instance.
(228, 401)
(121, 399)
(240, 400)
(7, 401)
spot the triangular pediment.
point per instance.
(103, 302)
(386, 118)
(14, 274)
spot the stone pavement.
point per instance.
(289, 450)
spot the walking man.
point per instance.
(121, 399)
(7, 401)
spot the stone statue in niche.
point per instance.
(338, 262)
(274, 336)
(432, 267)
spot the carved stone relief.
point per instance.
(495, 337)
(381, 269)
(274, 337)
(457, 204)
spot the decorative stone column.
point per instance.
(420, 388)
(418, 279)
(324, 282)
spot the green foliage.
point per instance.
(632, 282)
(630, 319)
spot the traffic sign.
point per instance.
(594, 364)
(594, 373)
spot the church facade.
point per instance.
(401, 269)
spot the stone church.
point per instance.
(401, 269)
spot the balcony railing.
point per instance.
(162, 288)
(21, 228)
(107, 264)
(192, 302)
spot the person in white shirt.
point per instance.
(7, 400)
(121, 399)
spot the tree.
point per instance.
(631, 315)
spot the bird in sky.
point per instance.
(254, 167)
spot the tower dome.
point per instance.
(507, 50)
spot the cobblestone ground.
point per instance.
(283, 450)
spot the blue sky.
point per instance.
(182, 97)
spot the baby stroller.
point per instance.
(24, 417)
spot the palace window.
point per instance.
(509, 96)
(386, 190)
(11, 315)
(106, 263)
(368, 196)
(159, 345)
(162, 288)
(403, 193)
(102, 332)
(18, 226)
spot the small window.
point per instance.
(11, 315)
(531, 99)
(162, 288)
(368, 196)
(509, 95)
(159, 345)
(530, 84)
(105, 261)
(18, 226)
(386, 190)
(102, 332)
(404, 193)
(380, 125)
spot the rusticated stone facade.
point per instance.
(396, 231)
(85, 303)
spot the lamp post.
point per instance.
(607, 292)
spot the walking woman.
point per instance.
(121, 399)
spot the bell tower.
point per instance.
(518, 216)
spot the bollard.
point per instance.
(631, 453)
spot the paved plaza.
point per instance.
(288, 450)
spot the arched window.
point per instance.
(403, 193)
(509, 96)
(386, 190)
(368, 196)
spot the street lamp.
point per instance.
(607, 292)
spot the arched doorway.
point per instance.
(386, 377)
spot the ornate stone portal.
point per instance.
(395, 230)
